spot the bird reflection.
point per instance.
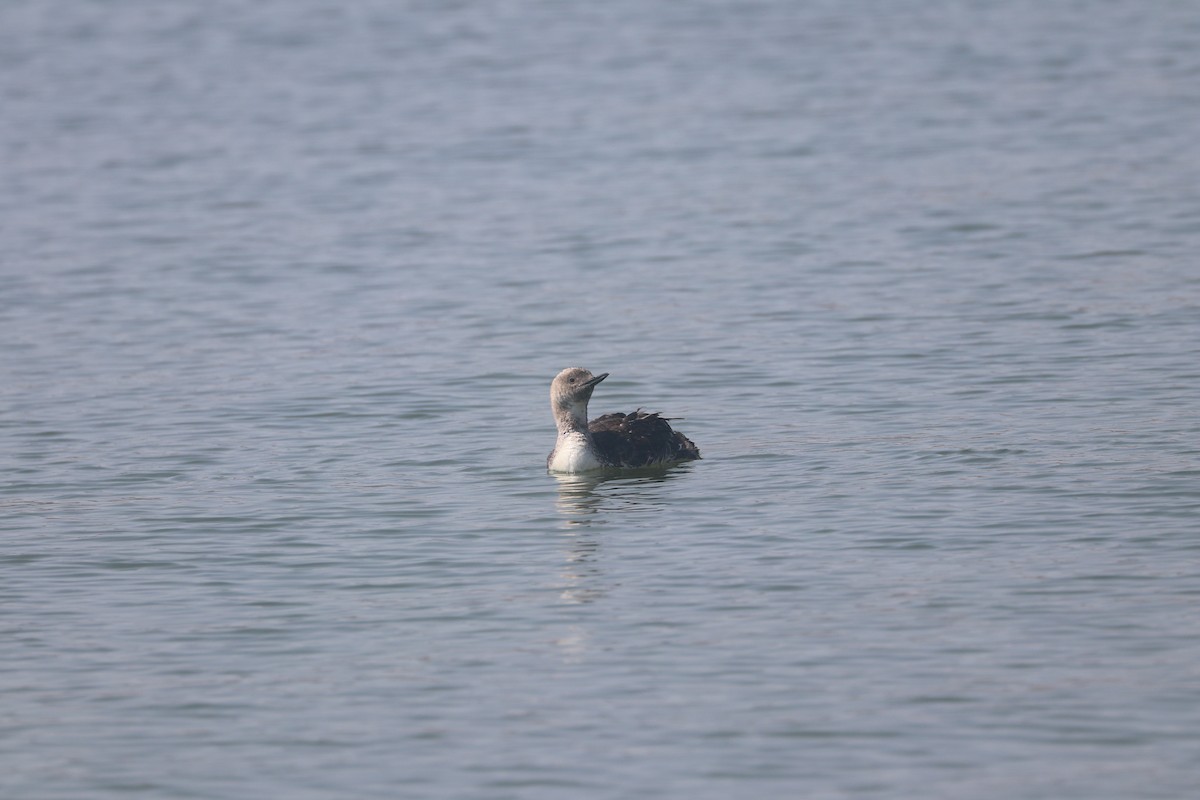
(579, 503)
(581, 577)
(581, 497)
(587, 501)
(577, 497)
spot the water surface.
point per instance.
(284, 286)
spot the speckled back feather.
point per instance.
(640, 439)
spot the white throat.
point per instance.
(574, 453)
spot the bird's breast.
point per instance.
(573, 453)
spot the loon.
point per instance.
(632, 440)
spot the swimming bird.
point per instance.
(633, 440)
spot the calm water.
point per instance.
(283, 288)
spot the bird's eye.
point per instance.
(572, 380)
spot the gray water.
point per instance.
(283, 288)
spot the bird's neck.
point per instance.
(571, 418)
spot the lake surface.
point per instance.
(282, 289)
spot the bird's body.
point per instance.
(613, 441)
